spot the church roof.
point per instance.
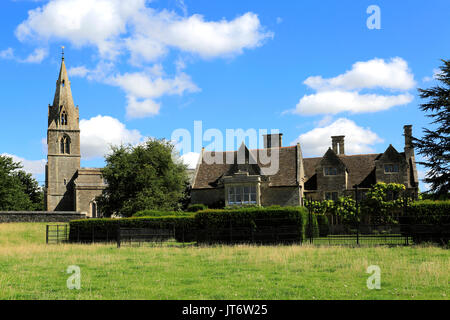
(63, 93)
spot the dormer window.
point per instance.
(330, 171)
(65, 145)
(391, 168)
(63, 118)
(63, 83)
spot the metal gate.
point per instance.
(58, 233)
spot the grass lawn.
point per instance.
(30, 269)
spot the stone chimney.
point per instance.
(273, 140)
(338, 144)
(408, 136)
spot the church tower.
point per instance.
(63, 143)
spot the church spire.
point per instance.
(63, 101)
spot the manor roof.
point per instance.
(208, 175)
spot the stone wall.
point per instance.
(88, 185)
(209, 197)
(39, 216)
(282, 196)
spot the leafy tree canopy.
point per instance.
(435, 144)
(18, 189)
(143, 177)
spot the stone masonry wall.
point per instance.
(39, 216)
(282, 196)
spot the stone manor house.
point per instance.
(68, 187)
(333, 175)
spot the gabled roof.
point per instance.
(359, 167)
(209, 175)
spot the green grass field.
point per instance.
(30, 269)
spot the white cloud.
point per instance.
(144, 49)
(115, 25)
(208, 39)
(325, 121)
(34, 167)
(82, 22)
(436, 73)
(36, 56)
(343, 93)
(100, 132)
(358, 140)
(142, 88)
(145, 35)
(333, 102)
(80, 71)
(141, 108)
(190, 159)
(376, 73)
(101, 73)
(422, 174)
(7, 54)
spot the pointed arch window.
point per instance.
(64, 118)
(65, 145)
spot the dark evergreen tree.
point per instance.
(434, 146)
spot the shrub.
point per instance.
(255, 224)
(324, 228)
(157, 213)
(428, 221)
(196, 207)
(88, 230)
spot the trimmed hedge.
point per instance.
(243, 225)
(196, 207)
(105, 229)
(428, 221)
(428, 208)
(263, 225)
(157, 213)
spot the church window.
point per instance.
(65, 145)
(330, 171)
(64, 118)
(63, 83)
(94, 212)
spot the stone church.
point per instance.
(333, 175)
(68, 187)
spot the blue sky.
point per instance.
(308, 68)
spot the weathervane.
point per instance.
(62, 49)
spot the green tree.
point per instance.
(32, 189)
(143, 177)
(435, 144)
(18, 189)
